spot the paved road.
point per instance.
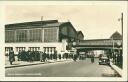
(81, 68)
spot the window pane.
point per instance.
(9, 36)
(50, 35)
(21, 35)
(35, 35)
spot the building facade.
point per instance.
(46, 36)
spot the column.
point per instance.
(42, 35)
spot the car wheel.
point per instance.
(99, 64)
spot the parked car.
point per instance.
(104, 60)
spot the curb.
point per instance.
(24, 65)
(32, 64)
(117, 69)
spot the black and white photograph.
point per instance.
(65, 40)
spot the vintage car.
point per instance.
(104, 60)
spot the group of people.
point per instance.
(118, 59)
(31, 56)
(35, 56)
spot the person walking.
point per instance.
(19, 55)
(31, 54)
(92, 58)
(55, 55)
(75, 57)
(60, 56)
(41, 56)
(28, 56)
(11, 56)
(44, 57)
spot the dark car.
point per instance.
(104, 60)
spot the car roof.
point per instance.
(104, 57)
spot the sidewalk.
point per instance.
(24, 63)
(116, 68)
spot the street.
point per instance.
(80, 68)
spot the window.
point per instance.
(32, 35)
(50, 35)
(35, 35)
(9, 36)
(21, 35)
(49, 50)
(20, 49)
(34, 48)
(7, 49)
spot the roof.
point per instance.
(41, 24)
(80, 32)
(69, 23)
(94, 40)
(35, 23)
(116, 35)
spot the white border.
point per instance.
(2, 70)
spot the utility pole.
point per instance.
(122, 40)
(122, 28)
(122, 23)
(121, 20)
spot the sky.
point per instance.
(95, 21)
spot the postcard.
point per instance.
(63, 41)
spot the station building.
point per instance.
(46, 36)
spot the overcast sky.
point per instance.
(95, 21)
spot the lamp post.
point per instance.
(121, 20)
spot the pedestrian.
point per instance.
(28, 56)
(60, 56)
(31, 56)
(19, 55)
(11, 56)
(35, 55)
(41, 56)
(92, 58)
(38, 55)
(23, 57)
(47, 56)
(44, 57)
(66, 55)
(75, 57)
(85, 56)
(55, 53)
